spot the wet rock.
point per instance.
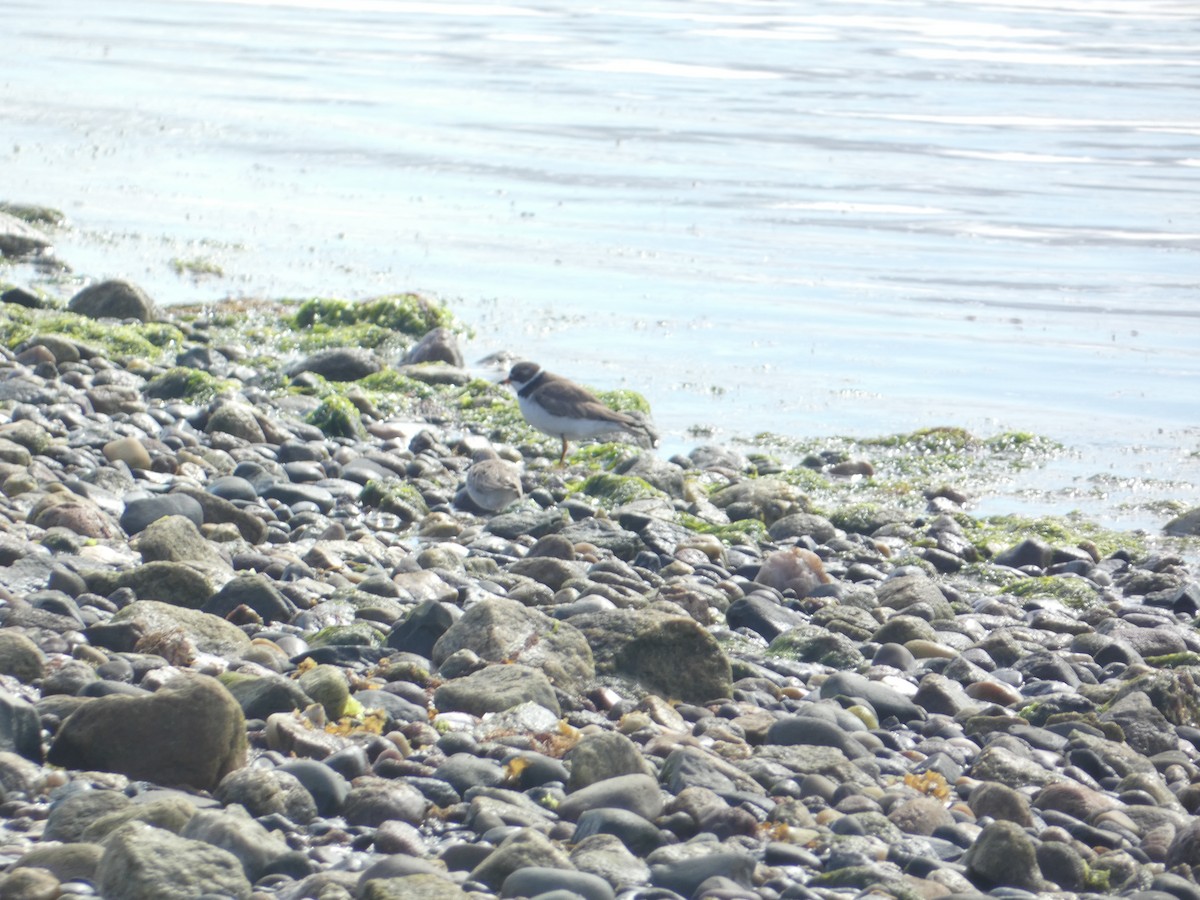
(795, 569)
(814, 644)
(18, 238)
(145, 863)
(267, 792)
(71, 816)
(233, 830)
(113, 299)
(437, 345)
(504, 630)
(522, 849)
(141, 512)
(1185, 524)
(1004, 855)
(532, 881)
(189, 732)
(903, 591)
(1030, 552)
(338, 364)
(597, 757)
(671, 656)
(636, 793)
(19, 656)
(373, 801)
(20, 727)
(177, 632)
(253, 591)
(495, 689)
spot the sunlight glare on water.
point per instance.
(851, 217)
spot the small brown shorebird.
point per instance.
(492, 484)
(563, 409)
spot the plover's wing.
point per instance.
(568, 400)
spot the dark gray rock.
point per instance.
(113, 299)
(18, 238)
(326, 785)
(685, 876)
(813, 731)
(338, 364)
(142, 511)
(635, 832)
(495, 689)
(285, 791)
(533, 881)
(437, 345)
(884, 700)
(421, 627)
(261, 695)
(520, 850)
(596, 757)
(1030, 552)
(373, 801)
(462, 771)
(637, 793)
(1004, 855)
(763, 615)
(254, 591)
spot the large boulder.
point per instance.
(157, 625)
(141, 862)
(113, 299)
(502, 630)
(190, 732)
(666, 654)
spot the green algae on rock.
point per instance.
(338, 417)
(1076, 593)
(151, 341)
(410, 314)
(617, 490)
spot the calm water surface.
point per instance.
(803, 218)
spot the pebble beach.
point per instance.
(263, 636)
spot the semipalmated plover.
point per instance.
(492, 484)
(563, 409)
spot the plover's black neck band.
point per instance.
(531, 386)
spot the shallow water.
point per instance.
(830, 218)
